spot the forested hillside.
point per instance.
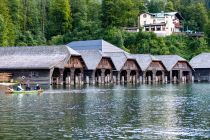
(39, 22)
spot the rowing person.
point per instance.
(19, 88)
(37, 87)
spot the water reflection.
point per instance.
(108, 112)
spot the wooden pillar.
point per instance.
(93, 77)
(111, 77)
(190, 76)
(163, 76)
(154, 76)
(137, 77)
(61, 76)
(72, 76)
(144, 77)
(180, 75)
(128, 76)
(50, 76)
(103, 76)
(82, 77)
(118, 77)
(171, 76)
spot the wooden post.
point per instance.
(171, 76)
(190, 76)
(118, 77)
(72, 76)
(50, 76)
(93, 77)
(61, 76)
(87, 80)
(154, 76)
(180, 76)
(103, 76)
(128, 76)
(144, 77)
(82, 77)
(163, 77)
(137, 77)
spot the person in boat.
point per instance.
(19, 88)
(37, 87)
(10, 89)
(28, 88)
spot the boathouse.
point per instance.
(40, 64)
(153, 69)
(99, 66)
(201, 66)
(127, 68)
(178, 69)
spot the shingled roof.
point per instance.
(144, 60)
(37, 57)
(101, 45)
(201, 61)
(119, 59)
(92, 58)
(170, 61)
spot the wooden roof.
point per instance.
(101, 45)
(37, 57)
(201, 61)
(170, 61)
(92, 58)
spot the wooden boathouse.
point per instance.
(127, 68)
(201, 66)
(153, 70)
(178, 69)
(99, 67)
(40, 64)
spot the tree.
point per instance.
(7, 37)
(169, 7)
(119, 13)
(60, 20)
(155, 6)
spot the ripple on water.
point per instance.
(118, 112)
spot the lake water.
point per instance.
(108, 112)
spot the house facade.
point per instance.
(162, 24)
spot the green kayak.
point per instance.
(25, 92)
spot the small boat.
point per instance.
(24, 92)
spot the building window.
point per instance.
(152, 28)
(34, 74)
(145, 15)
(147, 29)
(154, 21)
(145, 22)
(158, 28)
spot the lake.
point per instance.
(179, 111)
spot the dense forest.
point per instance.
(40, 22)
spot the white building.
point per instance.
(163, 24)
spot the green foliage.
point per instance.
(120, 13)
(60, 17)
(41, 22)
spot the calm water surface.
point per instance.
(108, 112)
